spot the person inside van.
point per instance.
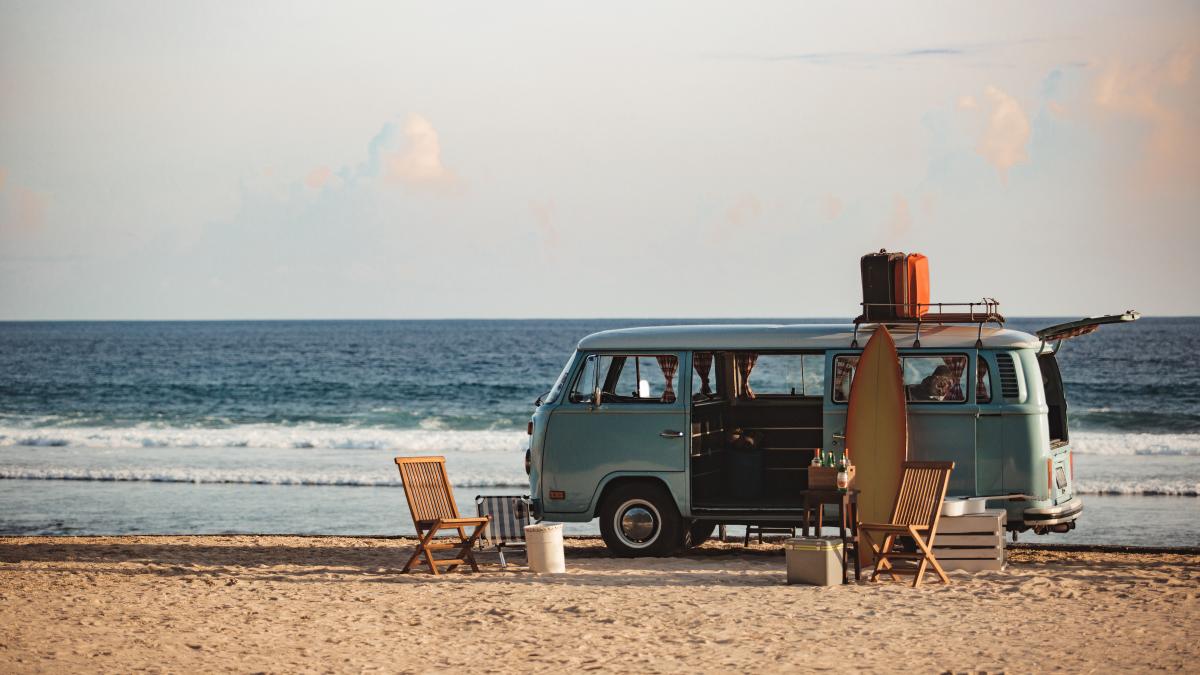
(935, 387)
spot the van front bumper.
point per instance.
(1054, 515)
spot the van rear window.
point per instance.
(927, 379)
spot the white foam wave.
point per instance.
(1100, 443)
(413, 441)
(207, 476)
(1145, 487)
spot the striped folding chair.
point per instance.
(509, 516)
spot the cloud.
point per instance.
(1163, 97)
(967, 102)
(421, 161)
(3, 177)
(743, 212)
(874, 58)
(868, 57)
(24, 210)
(543, 217)
(832, 206)
(901, 220)
(1004, 141)
(318, 177)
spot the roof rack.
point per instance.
(983, 312)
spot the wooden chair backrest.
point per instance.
(922, 490)
(427, 488)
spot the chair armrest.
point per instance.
(451, 522)
(890, 527)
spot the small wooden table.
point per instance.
(847, 502)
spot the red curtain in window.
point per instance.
(702, 362)
(745, 363)
(956, 364)
(669, 365)
(982, 395)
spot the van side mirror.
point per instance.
(596, 397)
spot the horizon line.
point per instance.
(840, 319)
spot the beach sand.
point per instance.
(282, 604)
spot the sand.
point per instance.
(283, 604)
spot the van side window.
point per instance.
(929, 379)
(705, 384)
(639, 379)
(781, 374)
(983, 382)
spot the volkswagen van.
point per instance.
(664, 432)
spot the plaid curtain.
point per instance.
(982, 395)
(702, 362)
(957, 365)
(745, 363)
(669, 365)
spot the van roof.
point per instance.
(799, 336)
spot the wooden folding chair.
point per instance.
(431, 501)
(918, 506)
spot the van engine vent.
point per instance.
(1008, 378)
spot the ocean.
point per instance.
(290, 426)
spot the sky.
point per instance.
(218, 160)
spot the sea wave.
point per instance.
(267, 436)
(205, 476)
(1101, 443)
(1160, 488)
(1149, 487)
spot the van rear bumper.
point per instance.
(1053, 515)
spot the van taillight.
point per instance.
(1071, 459)
(1050, 477)
(529, 428)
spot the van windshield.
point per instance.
(552, 395)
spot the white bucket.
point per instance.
(544, 543)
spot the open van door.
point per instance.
(1072, 329)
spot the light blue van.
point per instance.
(664, 432)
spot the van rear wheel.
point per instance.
(640, 519)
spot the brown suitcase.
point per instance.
(912, 286)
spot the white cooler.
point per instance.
(544, 546)
(814, 560)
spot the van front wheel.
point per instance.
(640, 519)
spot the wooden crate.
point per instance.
(972, 543)
(825, 477)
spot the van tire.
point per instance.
(698, 532)
(640, 519)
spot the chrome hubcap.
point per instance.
(637, 523)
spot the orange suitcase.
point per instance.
(912, 286)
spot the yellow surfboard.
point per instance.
(877, 429)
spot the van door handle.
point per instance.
(670, 433)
